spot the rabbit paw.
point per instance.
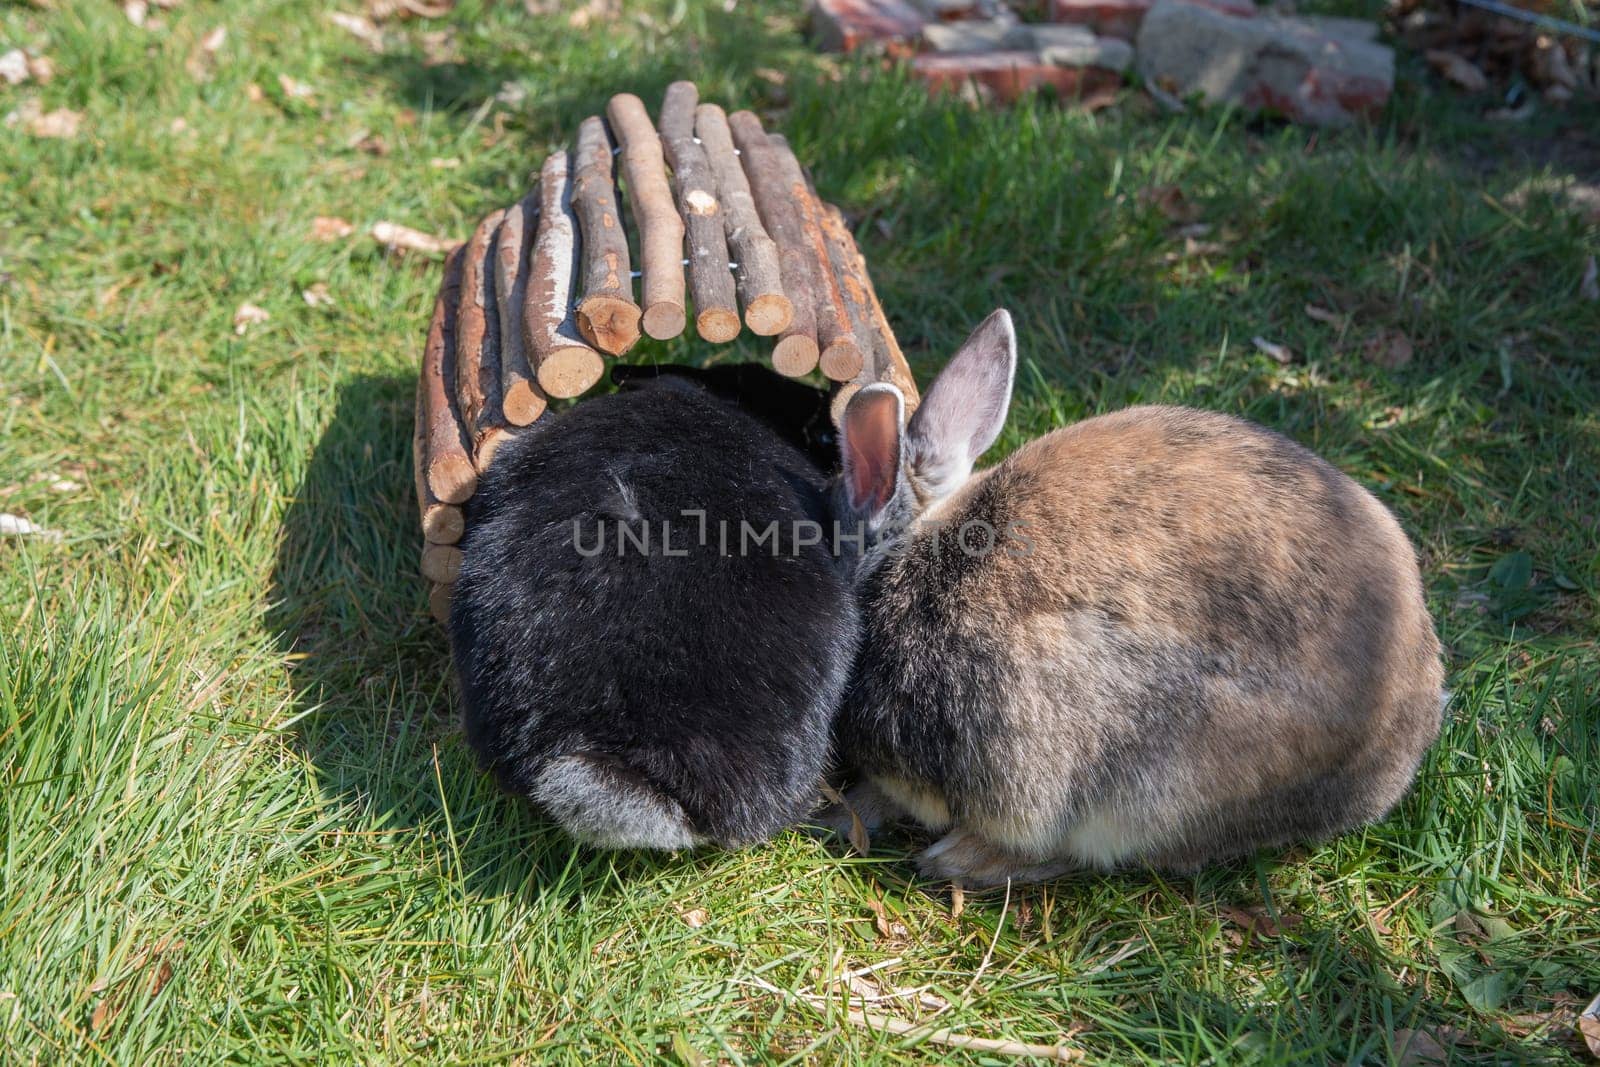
(976, 863)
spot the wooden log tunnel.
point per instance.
(726, 225)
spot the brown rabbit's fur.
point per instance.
(1216, 642)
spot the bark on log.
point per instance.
(478, 344)
(442, 524)
(883, 362)
(439, 600)
(520, 396)
(441, 563)
(607, 316)
(716, 308)
(563, 363)
(840, 357)
(654, 216)
(451, 474)
(844, 350)
(768, 309)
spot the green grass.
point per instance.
(239, 822)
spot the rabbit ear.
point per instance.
(965, 408)
(870, 446)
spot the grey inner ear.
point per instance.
(966, 405)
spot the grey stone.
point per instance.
(1307, 69)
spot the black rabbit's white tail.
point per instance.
(601, 802)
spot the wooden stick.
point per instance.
(796, 352)
(716, 312)
(439, 600)
(441, 563)
(563, 363)
(655, 216)
(442, 524)
(888, 363)
(520, 396)
(843, 349)
(770, 180)
(607, 316)
(478, 344)
(884, 361)
(451, 474)
(767, 310)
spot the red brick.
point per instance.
(1121, 18)
(877, 25)
(1008, 75)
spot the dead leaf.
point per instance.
(1279, 353)
(317, 296)
(1388, 348)
(253, 93)
(247, 316)
(42, 68)
(136, 11)
(360, 27)
(102, 1013)
(858, 837)
(1589, 287)
(14, 67)
(1457, 69)
(1170, 201)
(380, 10)
(330, 228)
(694, 918)
(958, 900)
(1324, 316)
(1417, 1048)
(880, 916)
(204, 56)
(295, 89)
(438, 163)
(395, 236)
(1512, 114)
(61, 124)
(1257, 920)
(439, 48)
(17, 526)
(594, 11)
(1589, 1026)
(1098, 100)
(371, 143)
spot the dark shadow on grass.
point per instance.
(376, 711)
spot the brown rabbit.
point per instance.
(1159, 637)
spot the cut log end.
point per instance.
(523, 404)
(452, 478)
(795, 356)
(441, 563)
(443, 524)
(488, 445)
(841, 400)
(439, 601)
(609, 323)
(769, 314)
(664, 320)
(717, 324)
(841, 360)
(571, 371)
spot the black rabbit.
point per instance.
(651, 639)
(795, 411)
